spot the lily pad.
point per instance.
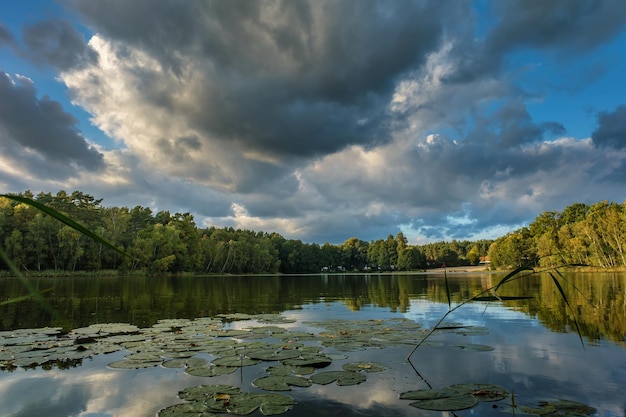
(560, 408)
(483, 392)
(281, 383)
(454, 397)
(225, 398)
(133, 364)
(193, 409)
(210, 370)
(184, 362)
(343, 378)
(236, 361)
(284, 370)
(364, 367)
(458, 402)
(273, 354)
(312, 361)
(201, 392)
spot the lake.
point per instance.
(371, 322)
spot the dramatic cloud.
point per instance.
(37, 133)
(57, 43)
(266, 82)
(567, 28)
(611, 131)
(328, 119)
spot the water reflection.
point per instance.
(599, 300)
(533, 355)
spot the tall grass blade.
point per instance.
(558, 286)
(64, 219)
(32, 291)
(512, 275)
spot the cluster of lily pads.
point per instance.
(174, 342)
(296, 357)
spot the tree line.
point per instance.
(171, 243)
(591, 235)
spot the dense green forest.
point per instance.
(163, 242)
(590, 235)
(170, 243)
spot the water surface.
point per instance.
(537, 352)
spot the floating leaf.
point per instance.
(364, 367)
(184, 362)
(273, 354)
(454, 397)
(342, 377)
(225, 398)
(280, 383)
(483, 392)
(201, 392)
(210, 370)
(236, 361)
(314, 361)
(560, 408)
(284, 370)
(133, 364)
(193, 409)
(458, 402)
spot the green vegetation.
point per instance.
(36, 241)
(586, 235)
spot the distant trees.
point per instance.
(592, 235)
(170, 243)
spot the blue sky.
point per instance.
(319, 120)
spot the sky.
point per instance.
(320, 120)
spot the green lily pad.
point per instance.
(144, 356)
(559, 408)
(193, 409)
(364, 367)
(343, 378)
(201, 392)
(210, 370)
(459, 402)
(454, 397)
(236, 361)
(184, 362)
(107, 328)
(280, 383)
(312, 361)
(273, 354)
(225, 398)
(284, 370)
(133, 364)
(228, 333)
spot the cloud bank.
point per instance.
(323, 120)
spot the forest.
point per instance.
(587, 235)
(172, 243)
(162, 242)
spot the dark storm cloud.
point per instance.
(563, 26)
(57, 43)
(42, 125)
(611, 131)
(287, 78)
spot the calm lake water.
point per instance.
(535, 349)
